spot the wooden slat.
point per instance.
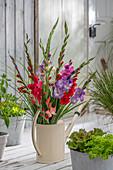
(2, 35)
(29, 29)
(19, 36)
(10, 28)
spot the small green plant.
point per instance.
(92, 142)
(8, 105)
(10, 109)
(4, 83)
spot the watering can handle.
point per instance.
(77, 113)
(33, 133)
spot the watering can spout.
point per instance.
(80, 109)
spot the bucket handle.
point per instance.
(33, 133)
(69, 128)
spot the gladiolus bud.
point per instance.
(58, 69)
(28, 68)
(18, 81)
(61, 63)
(49, 78)
(17, 75)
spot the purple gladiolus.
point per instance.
(80, 94)
(74, 99)
(64, 84)
(57, 92)
(68, 83)
(60, 83)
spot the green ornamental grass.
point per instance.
(102, 91)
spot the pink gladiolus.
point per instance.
(51, 111)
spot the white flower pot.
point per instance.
(14, 130)
(3, 140)
(81, 161)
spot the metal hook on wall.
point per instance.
(92, 30)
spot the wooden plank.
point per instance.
(19, 37)
(29, 23)
(10, 40)
(2, 36)
(29, 29)
(59, 165)
(36, 34)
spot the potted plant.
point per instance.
(12, 114)
(91, 150)
(102, 89)
(50, 94)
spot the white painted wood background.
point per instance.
(16, 19)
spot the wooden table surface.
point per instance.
(23, 157)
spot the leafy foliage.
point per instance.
(92, 142)
(8, 107)
(100, 146)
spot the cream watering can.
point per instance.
(50, 139)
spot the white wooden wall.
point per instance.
(16, 19)
(73, 12)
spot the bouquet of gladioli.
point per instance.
(53, 91)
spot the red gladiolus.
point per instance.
(31, 86)
(58, 77)
(35, 79)
(47, 117)
(71, 92)
(65, 99)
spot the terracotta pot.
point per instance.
(3, 140)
